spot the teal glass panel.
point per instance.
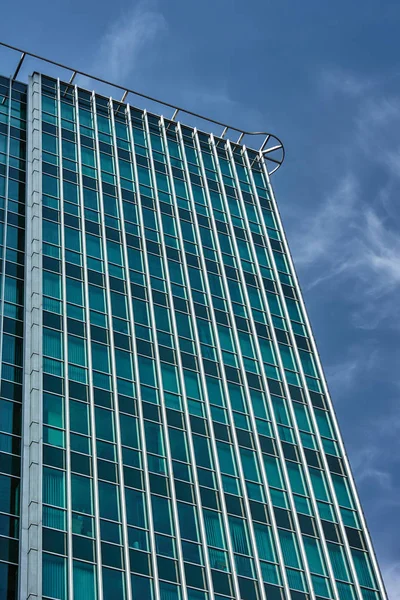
(113, 584)
(54, 487)
(84, 581)
(54, 576)
(273, 471)
(342, 491)
(188, 522)
(289, 549)
(314, 555)
(53, 410)
(162, 516)
(265, 545)
(338, 561)
(214, 529)
(345, 591)
(109, 501)
(363, 568)
(81, 489)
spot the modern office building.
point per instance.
(166, 429)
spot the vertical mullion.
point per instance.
(223, 380)
(284, 381)
(264, 379)
(98, 564)
(144, 451)
(158, 366)
(70, 591)
(180, 368)
(331, 410)
(121, 498)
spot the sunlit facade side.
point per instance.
(179, 441)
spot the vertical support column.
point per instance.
(30, 586)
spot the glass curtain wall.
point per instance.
(189, 452)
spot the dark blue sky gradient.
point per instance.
(325, 77)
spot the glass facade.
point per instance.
(186, 446)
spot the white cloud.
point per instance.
(316, 239)
(391, 577)
(376, 132)
(351, 238)
(367, 465)
(345, 239)
(341, 376)
(358, 361)
(127, 40)
(218, 97)
(133, 43)
(343, 82)
(380, 253)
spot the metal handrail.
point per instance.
(263, 150)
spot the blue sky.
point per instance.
(325, 77)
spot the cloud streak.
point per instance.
(339, 81)
(128, 39)
(351, 239)
(315, 241)
(391, 575)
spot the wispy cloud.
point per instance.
(347, 239)
(375, 470)
(391, 575)
(316, 239)
(343, 375)
(376, 132)
(367, 465)
(379, 253)
(351, 239)
(218, 97)
(348, 252)
(128, 38)
(134, 42)
(340, 81)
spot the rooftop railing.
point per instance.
(271, 147)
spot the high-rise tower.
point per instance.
(166, 430)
